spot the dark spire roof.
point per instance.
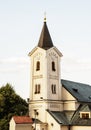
(45, 40)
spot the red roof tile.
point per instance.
(22, 119)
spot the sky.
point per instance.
(21, 22)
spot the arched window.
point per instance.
(53, 88)
(37, 88)
(37, 66)
(53, 66)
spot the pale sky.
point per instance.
(69, 24)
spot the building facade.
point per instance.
(55, 103)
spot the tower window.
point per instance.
(37, 88)
(37, 66)
(53, 89)
(53, 66)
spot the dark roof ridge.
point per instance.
(75, 82)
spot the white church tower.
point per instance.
(45, 86)
(52, 105)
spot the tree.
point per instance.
(10, 104)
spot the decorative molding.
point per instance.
(54, 106)
(53, 77)
(36, 106)
(37, 76)
(38, 55)
(53, 54)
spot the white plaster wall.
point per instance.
(50, 95)
(23, 127)
(38, 76)
(12, 125)
(80, 128)
(39, 55)
(66, 95)
(76, 128)
(55, 106)
(64, 128)
(50, 121)
(70, 103)
(41, 109)
(53, 56)
(41, 126)
(46, 77)
(42, 93)
(53, 76)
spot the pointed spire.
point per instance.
(45, 40)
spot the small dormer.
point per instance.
(85, 115)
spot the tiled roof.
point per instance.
(82, 92)
(63, 116)
(45, 40)
(37, 121)
(22, 119)
(60, 117)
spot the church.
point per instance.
(54, 103)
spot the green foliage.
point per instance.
(10, 104)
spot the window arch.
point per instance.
(37, 66)
(37, 88)
(53, 66)
(53, 88)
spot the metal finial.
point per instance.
(45, 17)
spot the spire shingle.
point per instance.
(45, 40)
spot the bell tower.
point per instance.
(45, 76)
